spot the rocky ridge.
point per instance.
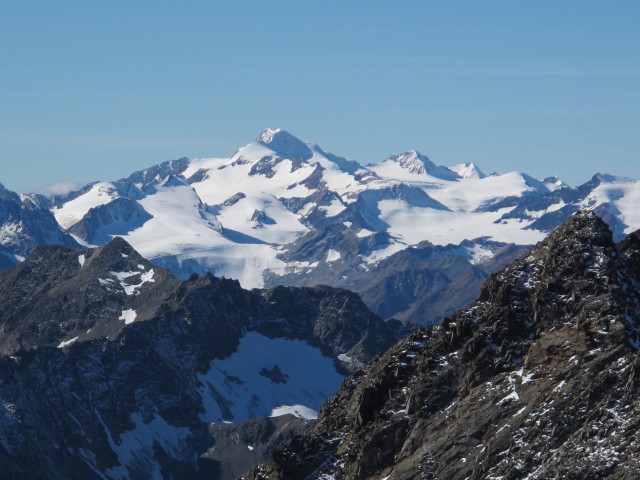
(536, 379)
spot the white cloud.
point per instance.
(58, 188)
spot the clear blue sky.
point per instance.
(96, 90)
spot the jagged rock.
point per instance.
(536, 379)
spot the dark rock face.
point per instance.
(101, 352)
(238, 444)
(536, 379)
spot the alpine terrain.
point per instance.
(26, 222)
(538, 378)
(415, 239)
(112, 368)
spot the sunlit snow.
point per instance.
(73, 211)
(129, 316)
(67, 342)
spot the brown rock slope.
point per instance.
(539, 378)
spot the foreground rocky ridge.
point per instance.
(113, 368)
(537, 379)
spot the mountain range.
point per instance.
(404, 232)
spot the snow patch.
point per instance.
(363, 232)
(138, 446)
(129, 316)
(299, 411)
(81, 260)
(333, 209)
(333, 255)
(67, 342)
(129, 288)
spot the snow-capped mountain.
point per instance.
(110, 367)
(234, 215)
(536, 379)
(25, 222)
(280, 210)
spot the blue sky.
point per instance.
(96, 90)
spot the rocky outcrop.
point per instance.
(536, 379)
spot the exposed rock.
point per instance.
(238, 444)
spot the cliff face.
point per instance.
(539, 378)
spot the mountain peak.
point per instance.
(609, 178)
(284, 144)
(468, 170)
(415, 163)
(121, 246)
(555, 182)
(585, 226)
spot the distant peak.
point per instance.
(608, 178)
(414, 162)
(555, 182)
(553, 179)
(268, 135)
(120, 245)
(468, 170)
(284, 144)
(2, 187)
(173, 181)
